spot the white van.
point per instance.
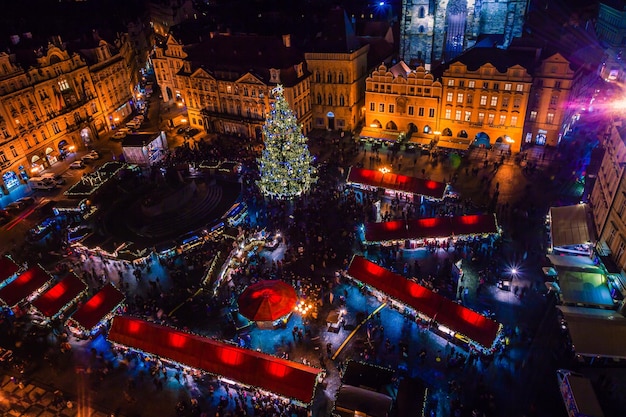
(38, 183)
(133, 124)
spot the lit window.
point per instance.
(468, 116)
(507, 86)
(513, 121)
(381, 108)
(449, 97)
(457, 115)
(483, 100)
(450, 83)
(411, 110)
(533, 116)
(502, 119)
(550, 118)
(494, 101)
(459, 98)
(471, 84)
(391, 108)
(519, 87)
(448, 114)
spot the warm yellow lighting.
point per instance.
(72, 148)
(183, 120)
(116, 119)
(384, 170)
(179, 104)
(373, 125)
(509, 140)
(436, 132)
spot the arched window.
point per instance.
(329, 78)
(341, 100)
(319, 98)
(391, 126)
(427, 129)
(318, 77)
(446, 132)
(421, 29)
(330, 99)
(420, 14)
(340, 78)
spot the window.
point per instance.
(553, 101)
(494, 101)
(411, 110)
(471, 84)
(229, 89)
(451, 83)
(448, 114)
(340, 78)
(63, 85)
(557, 85)
(505, 102)
(319, 101)
(391, 108)
(470, 99)
(462, 83)
(516, 103)
(483, 100)
(412, 90)
(620, 211)
(481, 117)
(550, 118)
(3, 157)
(381, 108)
(457, 115)
(342, 101)
(420, 13)
(372, 106)
(330, 99)
(329, 78)
(513, 121)
(318, 77)
(449, 97)
(496, 86)
(431, 112)
(519, 87)
(502, 119)
(611, 237)
(507, 87)
(375, 87)
(485, 85)
(421, 112)
(427, 91)
(468, 116)
(620, 251)
(14, 153)
(459, 98)
(533, 115)
(490, 119)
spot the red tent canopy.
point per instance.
(445, 312)
(51, 302)
(435, 227)
(267, 300)
(395, 182)
(98, 306)
(285, 378)
(24, 285)
(7, 268)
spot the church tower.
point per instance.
(434, 31)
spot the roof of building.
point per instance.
(337, 34)
(240, 54)
(24, 285)
(97, 307)
(501, 59)
(53, 300)
(570, 225)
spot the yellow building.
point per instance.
(224, 81)
(337, 90)
(55, 98)
(548, 105)
(401, 100)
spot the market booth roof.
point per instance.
(595, 332)
(395, 182)
(282, 377)
(582, 287)
(24, 285)
(98, 306)
(460, 319)
(7, 268)
(569, 225)
(51, 302)
(436, 227)
(267, 300)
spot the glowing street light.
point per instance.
(384, 170)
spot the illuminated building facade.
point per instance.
(553, 80)
(433, 31)
(54, 99)
(225, 81)
(398, 99)
(608, 198)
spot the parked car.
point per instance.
(77, 165)
(39, 183)
(119, 135)
(95, 154)
(58, 178)
(20, 204)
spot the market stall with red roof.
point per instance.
(96, 310)
(431, 228)
(267, 302)
(282, 377)
(29, 283)
(60, 297)
(8, 270)
(396, 182)
(455, 318)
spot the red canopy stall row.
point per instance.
(285, 378)
(395, 182)
(476, 327)
(58, 298)
(96, 310)
(29, 283)
(435, 227)
(8, 270)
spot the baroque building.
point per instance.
(50, 104)
(225, 81)
(433, 31)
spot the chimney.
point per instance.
(287, 40)
(15, 39)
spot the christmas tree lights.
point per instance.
(285, 165)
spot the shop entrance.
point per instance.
(331, 120)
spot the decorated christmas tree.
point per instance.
(285, 164)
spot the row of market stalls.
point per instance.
(35, 291)
(231, 363)
(449, 318)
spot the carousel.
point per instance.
(269, 304)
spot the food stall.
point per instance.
(27, 286)
(59, 297)
(96, 312)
